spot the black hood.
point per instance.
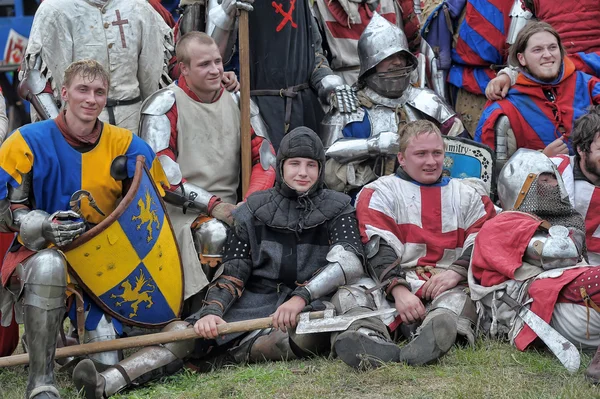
(301, 142)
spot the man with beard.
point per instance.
(528, 252)
(343, 21)
(359, 142)
(291, 247)
(581, 175)
(549, 95)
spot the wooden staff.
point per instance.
(244, 44)
(147, 340)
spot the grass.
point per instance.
(490, 370)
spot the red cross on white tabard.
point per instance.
(429, 234)
(120, 22)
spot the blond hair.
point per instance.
(414, 129)
(88, 69)
(183, 44)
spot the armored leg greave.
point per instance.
(104, 331)
(145, 365)
(451, 313)
(366, 343)
(44, 283)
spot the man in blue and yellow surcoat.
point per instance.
(41, 166)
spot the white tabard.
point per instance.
(208, 154)
(129, 38)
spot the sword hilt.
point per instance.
(507, 299)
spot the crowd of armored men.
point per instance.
(362, 211)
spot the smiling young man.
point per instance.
(41, 166)
(290, 248)
(194, 127)
(549, 95)
(419, 229)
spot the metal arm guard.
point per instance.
(10, 221)
(332, 90)
(349, 150)
(220, 26)
(437, 77)
(188, 196)
(6, 217)
(193, 18)
(518, 19)
(553, 250)
(501, 129)
(31, 89)
(344, 267)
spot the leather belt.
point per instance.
(289, 94)
(110, 104)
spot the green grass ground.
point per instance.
(491, 370)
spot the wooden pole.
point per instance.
(244, 46)
(147, 340)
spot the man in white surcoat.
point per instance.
(194, 127)
(128, 37)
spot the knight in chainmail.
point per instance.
(533, 252)
(546, 200)
(289, 250)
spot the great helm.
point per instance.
(518, 174)
(379, 40)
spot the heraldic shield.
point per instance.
(130, 263)
(466, 158)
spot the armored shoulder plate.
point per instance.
(429, 103)
(334, 122)
(159, 103)
(155, 127)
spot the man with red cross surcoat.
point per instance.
(419, 228)
(128, 37)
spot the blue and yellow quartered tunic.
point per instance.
(59, 170)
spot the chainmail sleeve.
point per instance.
(228, 287)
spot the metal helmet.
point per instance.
(379, 40)
(520, 172)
